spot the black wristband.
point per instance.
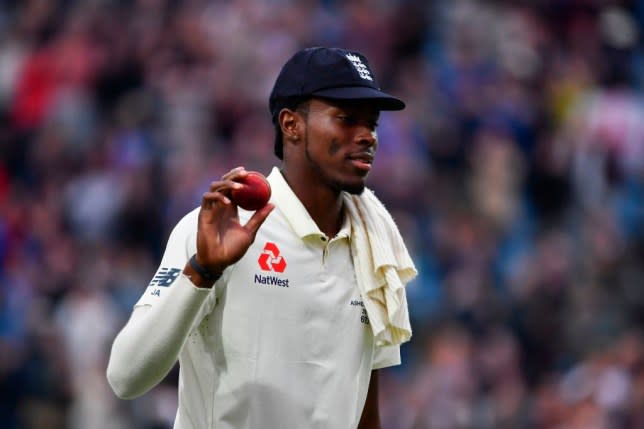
(203, 271)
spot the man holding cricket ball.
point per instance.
(280, 311)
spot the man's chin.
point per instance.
(354, 189)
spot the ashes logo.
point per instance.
(364, 317)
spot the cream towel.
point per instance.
(383, 267)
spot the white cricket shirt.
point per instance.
(282, 340)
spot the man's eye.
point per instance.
(349, 120)
(353, 120)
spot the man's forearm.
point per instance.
(148, 346)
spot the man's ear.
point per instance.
(291, 125)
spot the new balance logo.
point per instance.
(362, 69)
(165, 277)
(271, 260)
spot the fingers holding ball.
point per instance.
(254, 193)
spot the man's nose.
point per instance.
(367, 136)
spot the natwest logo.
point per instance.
(271, 260)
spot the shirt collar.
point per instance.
(294, 211)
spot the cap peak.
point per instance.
(333, 73)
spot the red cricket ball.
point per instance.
(254, 194)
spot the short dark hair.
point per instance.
(291, 103)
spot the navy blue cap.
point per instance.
(332, 73)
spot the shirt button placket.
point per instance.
(325, 250)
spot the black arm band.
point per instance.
(203, 271)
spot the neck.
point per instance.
(323, 204)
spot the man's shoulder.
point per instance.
(190, 217)
(187, 223)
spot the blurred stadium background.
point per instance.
(516, 174)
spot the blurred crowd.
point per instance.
(516, 175)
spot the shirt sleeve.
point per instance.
(181, 246)
(385, 356)
(148, 346)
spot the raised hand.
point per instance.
(221, 239)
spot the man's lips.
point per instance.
(361, 160)
(366, 157)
